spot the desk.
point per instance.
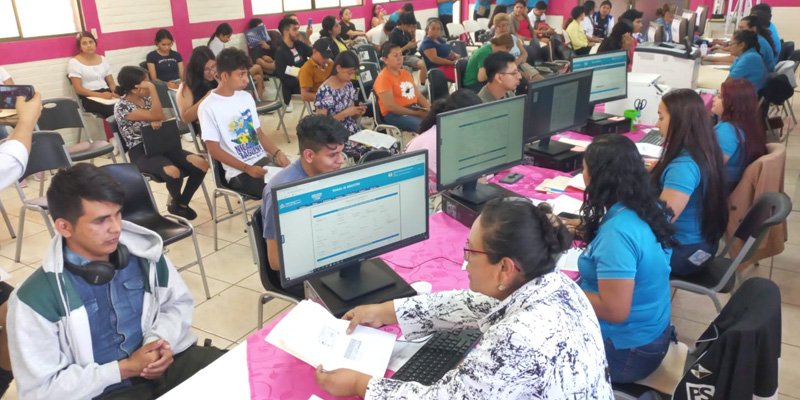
(710, 77)
(274, 374)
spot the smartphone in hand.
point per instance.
(9, 94)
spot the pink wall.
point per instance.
(184, 31)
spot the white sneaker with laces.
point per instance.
(289, 108)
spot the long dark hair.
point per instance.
(617, 175)
(81, 35)
(222, 29)
(195, 70)
(513, 227)
(574, 15)
(614, 39)
(762, 28)
(327, 26)
(739, 107)
(459, 99)
(690, 131)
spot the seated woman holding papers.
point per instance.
(625, 265)
(741, 137)
(691, 177)
(540, 337)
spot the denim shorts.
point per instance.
(631, 365)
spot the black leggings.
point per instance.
(155, 166)
(446, 19)
(93, 107)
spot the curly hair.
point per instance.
(513, 227)
(617, 175)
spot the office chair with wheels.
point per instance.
(270, 278)
(47, 153)
(718, 277)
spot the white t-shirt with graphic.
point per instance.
(232, 121)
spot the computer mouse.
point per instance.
(422, 287)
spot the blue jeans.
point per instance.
(631, 365)
(408, 123)
(681, 262)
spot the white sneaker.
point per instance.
(289, 108)
(187, 137)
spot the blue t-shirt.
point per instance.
(394, 16)
(732, 147)
(442, 50)
(750, 66)
(626, 248)
(479, 3)
(507, 3)
(767, 54)
(445, 8)
(294, 172)
(683, 175)
(775, 38)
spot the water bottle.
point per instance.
(704, 49)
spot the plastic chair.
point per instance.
(270, 278)
(769, 210)
(268, 106)
(483, 22)
(63, 113)
(381, 125)
(374, 155)
(472, 27)
(438, 87)
(461, 69)
(776, 92)
(198, 142)
(139, 207)
(455, 30)
(367, 53)
(47, 153)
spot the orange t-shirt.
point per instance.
(402, 86)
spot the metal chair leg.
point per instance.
(20, 234)
(200, 264)
(7, 221)
(214, 220)
(205, 194)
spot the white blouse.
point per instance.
(216, 45)
(542, 342)
(93, 77)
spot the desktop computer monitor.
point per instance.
(330, 225)
(682, 31)
(702, 16)
(476, 141)
(557, 104)
(655, 33)
(690, 19)
(610, 77)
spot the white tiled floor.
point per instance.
(230, 315)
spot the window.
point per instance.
(28, 19)
(261, 7)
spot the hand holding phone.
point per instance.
(9, 94)
(29, 110)
(309, 23)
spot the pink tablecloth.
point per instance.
(275, 374)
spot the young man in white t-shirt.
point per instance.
(231, 129)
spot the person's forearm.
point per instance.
(268, 146)
(222, 156)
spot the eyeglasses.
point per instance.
(467, 251)
(514, 72)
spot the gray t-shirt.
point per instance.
(293, 172)
(488, 97)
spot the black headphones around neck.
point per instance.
(101, 272)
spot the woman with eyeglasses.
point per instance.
(748, 63)
(540, 337)
(201, 78)
(625, 264)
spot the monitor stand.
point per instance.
(476, 193)
(599, 116)
(549, 147)
(359, 279)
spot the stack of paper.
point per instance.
(554, 185)
(565, 204)
(577, 182)
(373, 139)
(310, 333)
(649, 150)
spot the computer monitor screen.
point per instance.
(655, 33)
(610, 77)
(337, 220)
(682, 31)
(479, 140)
(690, 26)
(557, 104)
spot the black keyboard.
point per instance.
(652, 137)
(442, 352)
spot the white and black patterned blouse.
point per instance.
(542, 342)
(131, 131)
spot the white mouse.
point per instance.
(422, 287)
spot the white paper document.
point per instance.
(575, 142)
(568, 261)
(565, 204)
(109, 102)
(649, 150)
(373, 139)
(310, 333)
(577, 182)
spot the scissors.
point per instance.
(639, 104)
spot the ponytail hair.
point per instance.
(222, 29)
(128, 78)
